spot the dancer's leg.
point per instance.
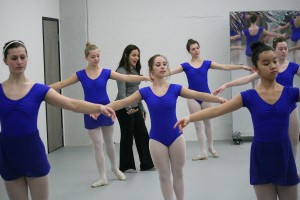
(161, 160)
(194, 106)
(107, 133)
(95, 136)
(177, 158)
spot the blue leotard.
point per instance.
(162, 111)
(271, 159)
(197, 77)
(22, 152)
(95, 92)
(251, 38)
(286, 78)
(295, 32)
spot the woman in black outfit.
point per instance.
(132, 119)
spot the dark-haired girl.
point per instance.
(132, 118)
(273, 172)
(286, 73)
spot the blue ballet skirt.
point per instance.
(273, 162)
(22, 156)
(22, 152)
(271, 159)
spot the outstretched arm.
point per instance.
(236, 48)
(62, 84)
(132, 99)
(235, 37)
(228, 67)
(273, 34)
(177, 70)
(56, 99)
(294, 48)
(240, 81)
(192, 94)
(128, 77)
(282, 27)
(211, 112)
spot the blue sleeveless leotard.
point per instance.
(286, 78)
(162, 111)
(295, 32)
(22, 152)
(95, 92)
(197, 77)
(271, 159)
(252, 38)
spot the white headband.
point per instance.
(14, 41)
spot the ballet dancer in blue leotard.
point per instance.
(167, 145)
(197, 73)
(273, 170)
(23, 161)
(255, 33)
(285, 77)
(94, 80)
(295, 36)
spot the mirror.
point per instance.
(257, 26)
(246, 27)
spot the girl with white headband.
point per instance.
(23, 159)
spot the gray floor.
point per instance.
(227, 178)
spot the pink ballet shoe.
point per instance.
(119, 174)
(202, 156)
(214, 153)
(99, 183)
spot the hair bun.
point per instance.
(256, 45)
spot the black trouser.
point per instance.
(133, 126)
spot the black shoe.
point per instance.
(148, 169)
(130, 171)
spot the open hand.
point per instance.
(219, 90)
(182, 123)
